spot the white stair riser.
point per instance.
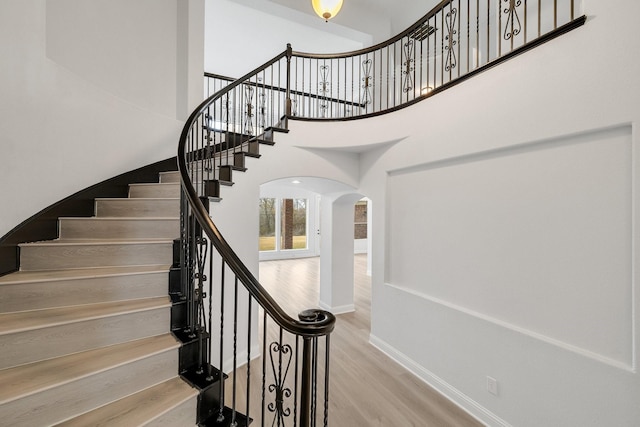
(58, 293)
(109, 228)
(170, 403)
(180, 416)
(52, 257)
(169, 177)
(46, 343)
(67, 400)
(162, 190)
(166, 208)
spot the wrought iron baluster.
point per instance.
(512, 26)
(221, 386)
(314, 381)
(458, 40)
(279, 387)
(210, 328)
(249, 330)
(442, 39)
(572, 10)
(326, 380)
(408, 66)
(367, 82)
(525, 22)
(451, 42)
(324, 88)
(295, 382)
(489, 30)
(468, 36)
(539, 18)
(477, 33)
(200, 276)
(235, 352)
(264, 368)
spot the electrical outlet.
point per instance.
(492, 385)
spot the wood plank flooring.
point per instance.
(367, 387)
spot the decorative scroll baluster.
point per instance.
(200, 276)
(324, 89)
(248, 114)
(279, 388)
(512, 25)
(367, 82)
(408, 66)
(262, 110)
(451, 42)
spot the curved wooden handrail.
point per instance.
(319, 322)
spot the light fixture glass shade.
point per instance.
(326, 9)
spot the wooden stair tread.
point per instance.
(139, 408)
(120, 218)
(27, 379)
(94, 241)
(35, 319)
(79, 273)
(152, 184)
(137, 199)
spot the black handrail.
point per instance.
(324, 322)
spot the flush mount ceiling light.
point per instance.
(326, 9)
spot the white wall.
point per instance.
(507, 227)
(89, 90)
(239, 38)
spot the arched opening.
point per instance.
(306, 217)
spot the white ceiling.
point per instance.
(380, 19)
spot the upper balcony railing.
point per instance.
(454, 41)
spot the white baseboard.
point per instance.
(341, 309)
(463, 401)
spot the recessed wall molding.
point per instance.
(532, 334)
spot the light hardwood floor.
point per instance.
(367, 387)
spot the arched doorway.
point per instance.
(310, 216)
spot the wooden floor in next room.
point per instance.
(367, 387)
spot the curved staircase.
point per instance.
(85, 325)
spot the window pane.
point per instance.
(360, 220)
(267, 225)
(293, 221)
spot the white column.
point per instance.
(336, 254)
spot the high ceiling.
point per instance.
(378, 18)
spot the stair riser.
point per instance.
(54, 257)
(59, 403)
(162, 190)
(46, 294)
(166, 404)
(169, 177)
(45, 343)
(180, 416)
(107, 228)
(166, 208)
